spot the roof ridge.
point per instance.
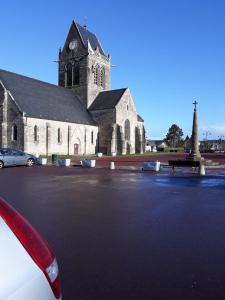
(75, 23)
(114, 90)
(34, 79)
(107, 99)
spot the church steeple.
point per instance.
(83, 65)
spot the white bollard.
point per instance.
(43, 161)
(202, 170)
(112, 165)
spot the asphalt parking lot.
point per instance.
(125, 234)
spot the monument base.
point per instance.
(194, 158)
(185, 163)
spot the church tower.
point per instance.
(83, 65)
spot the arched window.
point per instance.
(127, 130)
(35, 133)
(14, 133)
(102, 77)
(69, 71)
(76, 75)
(92, 137)
(59, 136)
(96, 74)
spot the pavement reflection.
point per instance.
(125, 234)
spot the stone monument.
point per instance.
(195, 153)
(194, 159)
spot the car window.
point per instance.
(11, 152)
(16, 153)
(21, 153)
(5, 152)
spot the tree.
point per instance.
(174, 136)
(187, 141)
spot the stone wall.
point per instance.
(107, 138)
(70, 134)
(95, 58)
(14, 117)
(10, 116)
(126, 110)
(111, 122)
(105, 120)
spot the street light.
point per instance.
(221, 137)
(206, 134)
(206, 144)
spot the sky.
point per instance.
(168, 52)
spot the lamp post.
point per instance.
(206, 142)
(220, 140)
(206, 134)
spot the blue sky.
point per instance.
(168, 52)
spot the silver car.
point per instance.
(11, 157)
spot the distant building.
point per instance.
(155, 145)
(81, 115)
(212, 145)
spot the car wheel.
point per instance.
(30, 162)
(1, 164)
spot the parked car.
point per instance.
(29, 269)
(12, 157)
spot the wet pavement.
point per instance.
(125, 234)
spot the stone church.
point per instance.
(80, 116)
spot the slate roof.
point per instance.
(87, 35)
(107, 99)
(140, 118)
(43, 100)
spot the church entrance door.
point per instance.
(76, 149)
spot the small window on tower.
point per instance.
(96, 74)
(69, 74)
(102, 77)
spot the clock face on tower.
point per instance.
(73, 45)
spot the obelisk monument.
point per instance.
(195, 153)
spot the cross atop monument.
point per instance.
(195, 104)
